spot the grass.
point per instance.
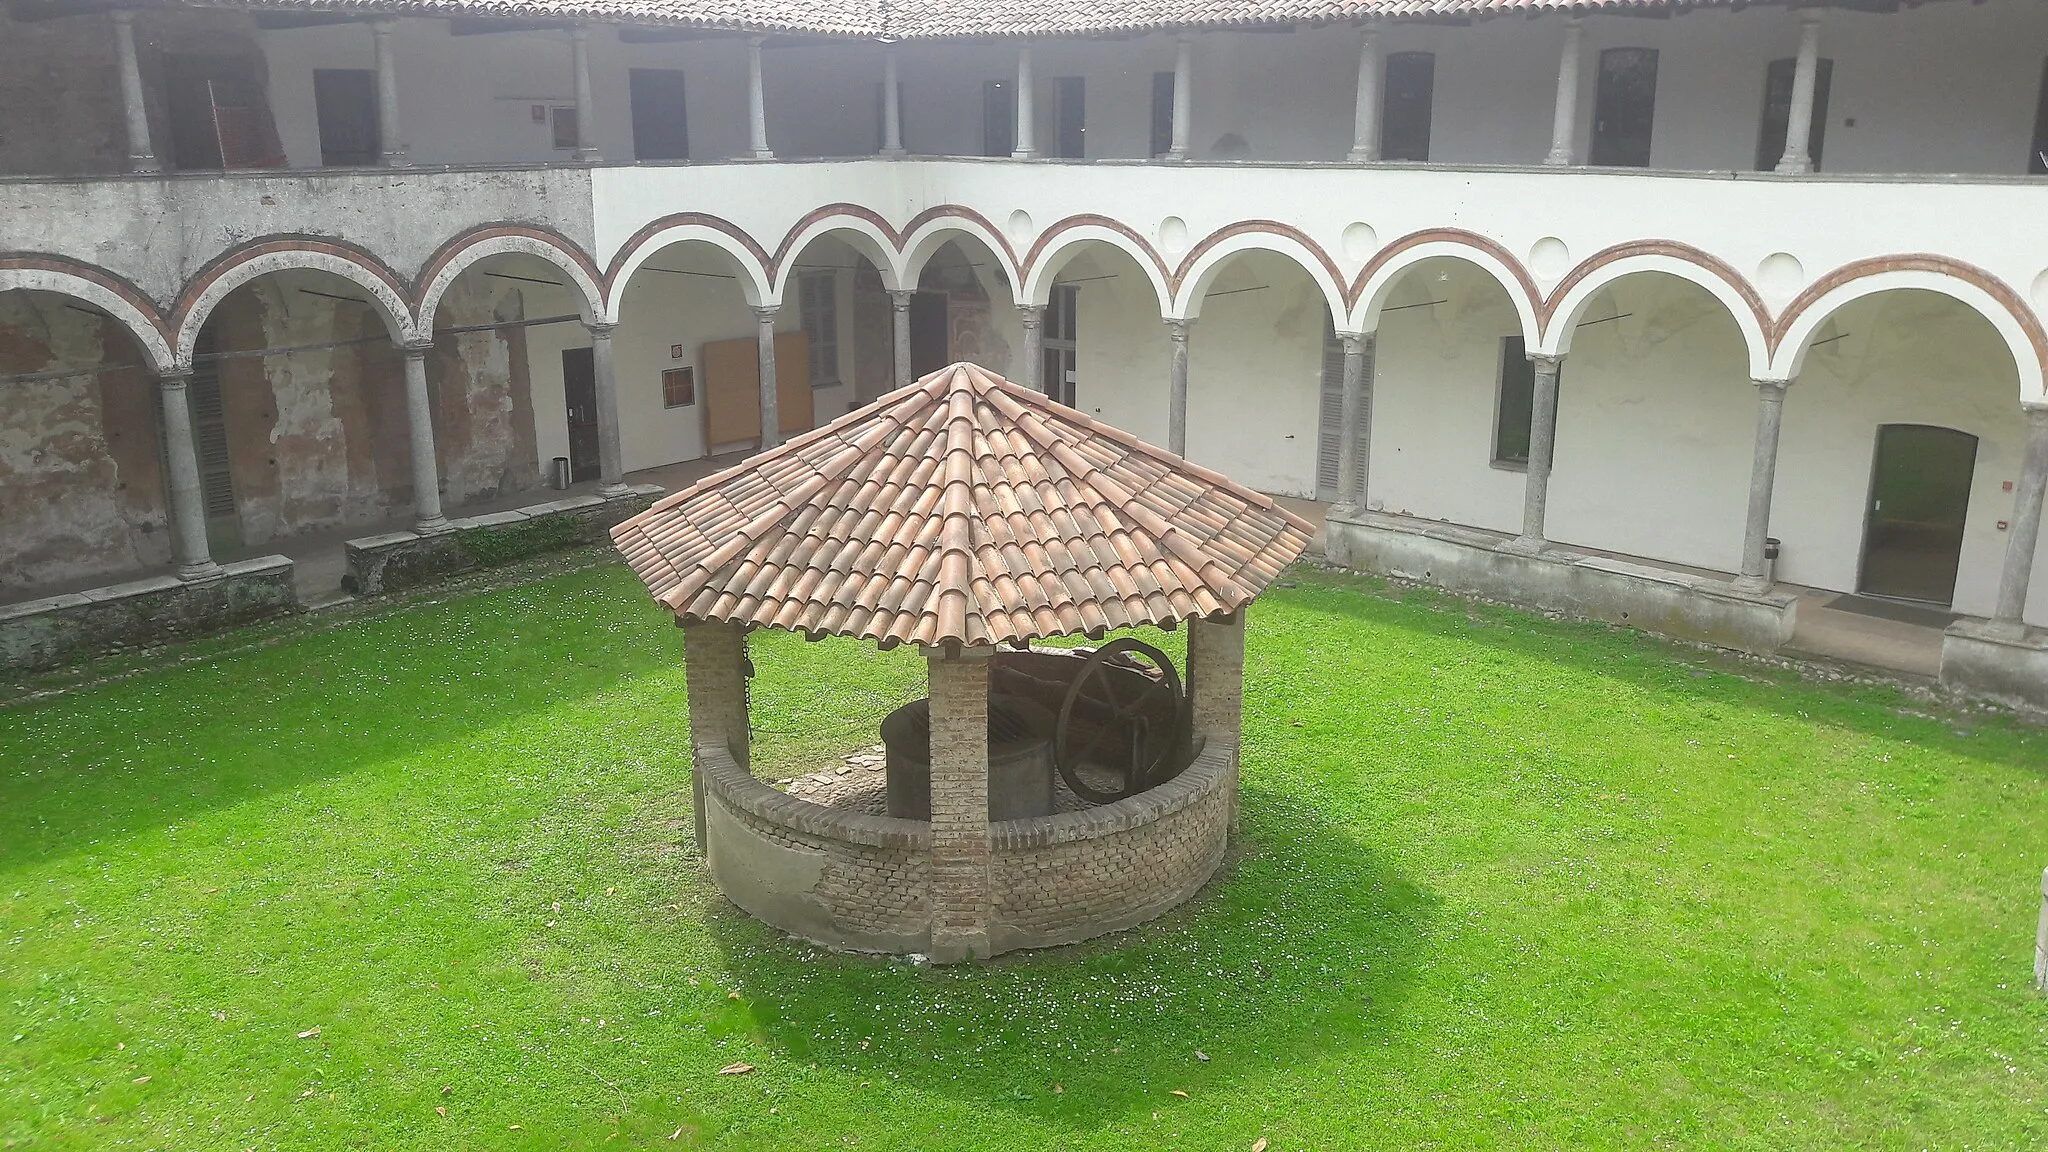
(1504, 883)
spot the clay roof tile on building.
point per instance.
(827, 536)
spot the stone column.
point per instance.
(757, 104)
(610, 456)
(1542, 443)
(960, 849)
(393, 152)
(1183, 97)
(1805, 73)
(141, 152)
(1354, 426)
(1027, 144)
(1763, 472)
(586, 107)
(426, 471)
(899, 310)
(715, 678)
(1177, 388)
(1033, 316)
(1216, 686)
(2025, 540)
(1564, 123)
(1365, 122)
(892, 107)
(188, 499)
(771, 423)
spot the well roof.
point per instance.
(962, 509)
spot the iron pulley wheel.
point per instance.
(1093, 693)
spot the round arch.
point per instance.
(930, 231)
(1972, 287)
(99, 289)
(752, 260)
(1568, 302)
(1201, 266)
(857, 229)
(1379, 278)
(460, 254)
(1069, 238)
(223, 276)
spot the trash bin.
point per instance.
(558, 474)
(1771, 547)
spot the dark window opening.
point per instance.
(2037, 163)
(1162, 113)
(1514, 412)
(661, 124)
(345, 102)
(1624, 108)
(1405, 108)
(219, 117)
(1770, 147)
(564, 121)
(998, 120)
(1070, 115)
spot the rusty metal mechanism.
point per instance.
(1143, 728)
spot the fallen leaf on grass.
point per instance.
(1177, 1092)
(514, 1127)
(676, 1133)
(310, 1033)
(140, 1080)
(735, 1069)
(447, 1088)
(1201, 1055)
(1059, 1090)
(441, 1109)
(732, 995)
(1259, 1145)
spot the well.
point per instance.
(1038, 795)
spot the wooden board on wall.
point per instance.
(732, 389)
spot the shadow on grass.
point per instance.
(1300, 950)
(148, 751)
(1667, 667)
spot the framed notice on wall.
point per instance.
(678, 387)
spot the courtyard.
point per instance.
(422, 878)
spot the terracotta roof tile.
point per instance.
(962, 509)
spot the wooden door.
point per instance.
(1070, 94)
(732, 389)
(579, 395)
(1919, 502)
(345, 101)
(1625, 107)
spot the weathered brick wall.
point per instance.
(959, 825)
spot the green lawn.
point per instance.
(1504, 883)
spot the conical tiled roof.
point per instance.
(961, 509)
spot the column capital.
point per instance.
(1355, 342)
(1177, 328)
(1033, 314)
(419, 347)
(765, 313)
(1809, 18)
(1772, 391)
(599, 330)
(1546, 362)
(383, 27)
(176, 376)
(580, 33)
(2037, 415)
(122, 17)
(899, 298)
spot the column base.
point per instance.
(588, 156)
(893, 153)
(613, 490)
(200, 573)
(1526, 545)
(144, 165)
(432, 525)
(1756, 584)
(762, 154)
(1795, 167)
(1558, 160)
(1175, 157)
(1024, 154)
(955, 947)
(1356, 156)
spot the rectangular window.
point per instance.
(1070, 117)
(1624, 107)
(818, 305)
(661, 125)
(1162, 113)
(564, 121)
(2037, 163)
(345, 103)
(1770, 145)
(678, 387)
(1516, 405)
(998, 118)
(1405, 108)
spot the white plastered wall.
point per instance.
(1255, 362)
(1122, 349)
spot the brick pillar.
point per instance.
(1216, 672)
(960, 896)
(715, 675)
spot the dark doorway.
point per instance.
(1070, 107)
(1060, 343)
(218, 115)
(579, 393)
(1162, 113)
(661, 129)
(345, 99)
(1919, 500)
(1625, 107)
(998, 119)
(1770, 147)
(929, 345)
(1405, 111)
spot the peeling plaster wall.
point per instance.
(81, 489)
(483, 396)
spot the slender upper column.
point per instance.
(960, 910)
(426, 470)
(1183, 97)
(1799, 121)
(899, 310)
(1564, 123)
(1177, 388)
(1542, 444)
(141, 152)
(610, 463)
(586, 107)
(771, 423)
(2025, 539)
(892, 107)
(188, 501)
(392, 151)
(1365, 123)
(1033, 317)
(1763, 473)
(1027, 143)
(757, 104)
(1354, 425)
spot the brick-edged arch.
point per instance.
(756, 281)
(1370, 287)
(1567, 302)
(264, 256)
(38, 272)
(1198, 269)
(464, 251)
(1058, 244)
(929, 230)
(863, 229)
